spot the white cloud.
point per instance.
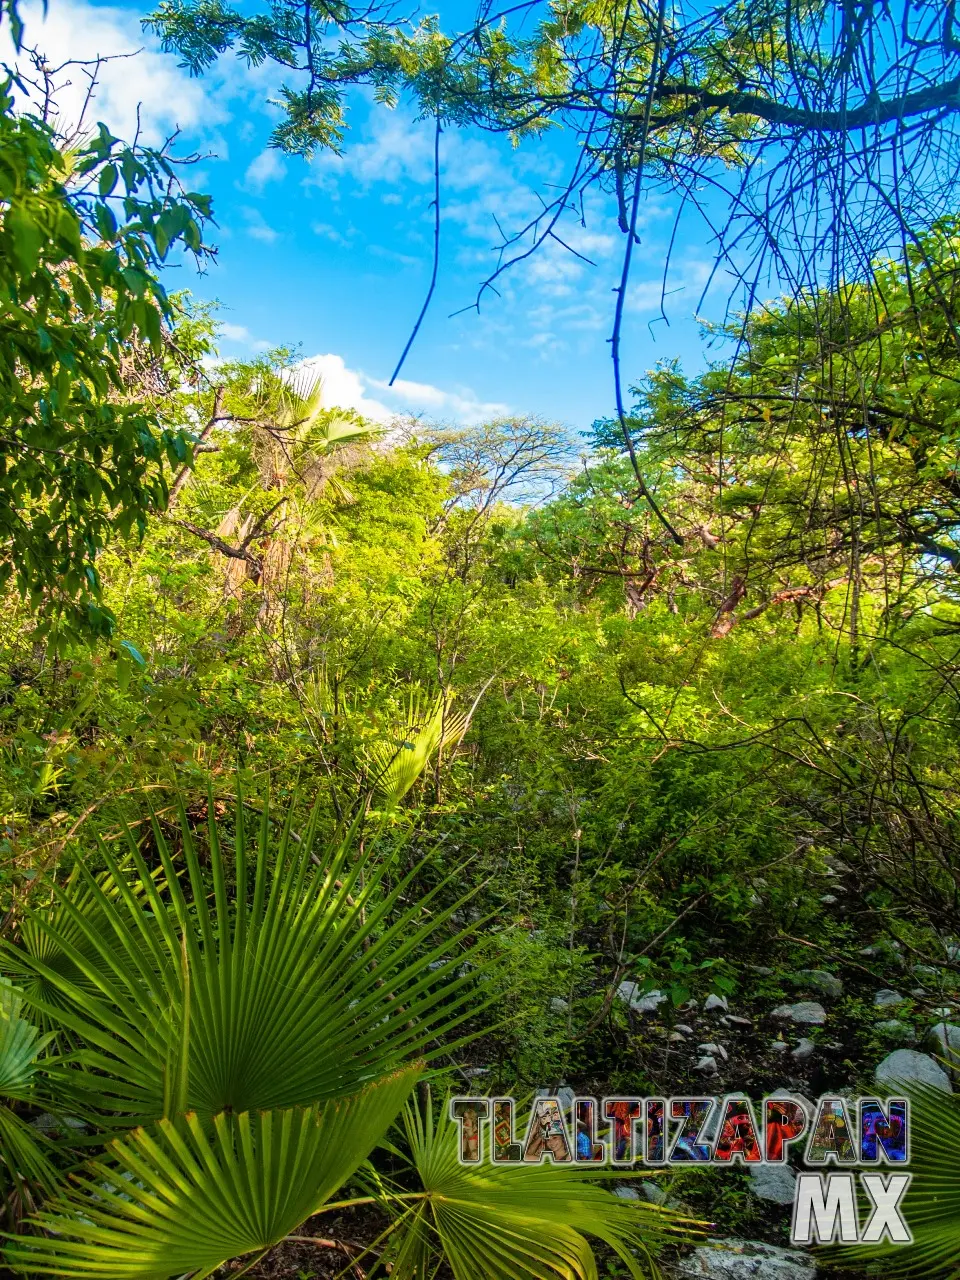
(487, 197)
(267, 167)
(258, 227)
(346, 388)
(461, 404)
(688, 276)
(328, 232)
(149, 82)
(241, 335)
(398, 149)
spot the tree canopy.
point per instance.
(93, 356)
(346, 766)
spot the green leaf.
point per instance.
(397, 764)
(201, 202)
(134, 653)
(333, 927)
(516, 1221)
(187, 1197)
(106, 221)
(26, 236)
(108, 180)
(192, 237)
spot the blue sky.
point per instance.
(333, 256)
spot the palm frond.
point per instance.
(186, 1197)
(515, 1221)
(301, 407)
(395, 765)
(23, 1151)
(20, 1043)
(301, 978)
(931, 1206)
(46, 944)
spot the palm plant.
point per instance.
(397, 763)
(931, 1206)
(242, 1026)
(238, 1029)
(24, 1156)
(510, 1221)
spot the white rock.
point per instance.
(804, 1013)
(626, 1193)
(558, 1004)
(746, 1260)
(776, 1182)
(819, 980)
(909, 1065)
(640, 1001)
(677, 1037)
(945, 1039)
(886, 999)
(715, 1002)
(885, 948)
(682, 1027)
(894, 1029)
(778, 1046)
(738, 1022)
(714, 1049)
(707, 1064)
(804, 1050)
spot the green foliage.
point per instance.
(182, 1197)
(167, 976)
(832, 433)
(573, 756)
(395, 767)
(252, 1034)
(23, 1154)
(932, 1202)
(510, 1222)
(85, 320)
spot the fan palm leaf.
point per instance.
(24, 1153)
(302, 977)
(396, 765)
(184, 1197)
(931, 1206)
(45, 944)
(514, 1221)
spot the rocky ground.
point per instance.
(802, 1034)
